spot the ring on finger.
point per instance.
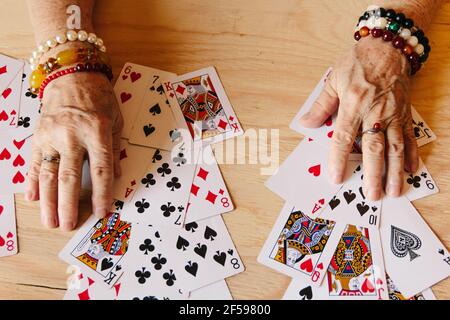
(376, 128)
(50, 158)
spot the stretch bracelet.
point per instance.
(81, 67)
(70, 35)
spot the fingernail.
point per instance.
(414, 167)
(51, 223)
(67, 225)
(393, 190)
(305, 117)
(338, 178)
(374, 194)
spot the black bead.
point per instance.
(80, 67)
(381, 12)
(419, 34)
(366, 15)
(427, 48)
(88, 67)
(424, 57)
(400, 17)
(425, 41)
(408, 23)
(361, 18)
(390, 14)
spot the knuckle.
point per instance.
(48, 177)
(375, 148)
(102, 171)
(69, 176)
(342, 139)
(33, 172)
(395, 149)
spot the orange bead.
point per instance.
(364, 31)
(67, 57)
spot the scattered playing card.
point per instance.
(86, 288)
(419, 184)
(215, 291)
(9, 68)
(422, 131)
(9, 103)
(415, 259)
(395, 294)
(8, 231)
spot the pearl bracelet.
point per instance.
(70, 35)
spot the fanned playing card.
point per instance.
(200, 104)
(9, 68)
(395, 294)
(86, 288)
(214, 291)
(415, 258)
(419, 184)
(422, 131)
(8, 230)
(9, 103)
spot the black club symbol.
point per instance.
(159, 261)
(164, 169)
(142, 275)
(414, 181)
(142, 206)
(148, 180)
(173, 184)
(424, 175)
(30, 94)
(167, 209)
(170, 278)
(24, 122)
(147, 246)
(180, 208)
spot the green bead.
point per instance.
(394, 26)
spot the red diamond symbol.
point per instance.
(222, 124)
(84, 295)
(80, 276)
(171, 94)
(90, 281)
(194, 189)
(180, 89)
(211, 197)
(231, 118)
(221, 191)
(202, 173)
(123, 154)
(133, 182)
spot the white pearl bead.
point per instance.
(99, 42)
(405, 34)
(61, 38)
(72, 35)
(372, 7)
(43, 48)
(33, 67)
(35, 54)
(371, 23)
(413, 41)
(102, 49)
(381, 23)
(33, 61)
(419, 49)
(51, 43)
(92, 38)
(82, 35)
(362, 24)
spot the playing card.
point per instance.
(350, 205)
(8, 231)
(131, 87)
(209, 194)
(15, 154)
(419, 184)
(297, 242)
(422, 131)
(98, 248)
(85, 288)
(9, 68)
(204, 250)
(411, 250)
(395, 294)
(9, 103)
(163, 191)
(134, 160)
(215, 291)
(198, 100)
(303, 178)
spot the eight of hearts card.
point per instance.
(415, 259)
(98, 247)
(8, 232)
(296, 245)
(198, 100)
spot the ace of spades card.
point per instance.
(296, 245)
(209, 195)
(131, 87)
(98, 248)
(303, 180)
(411, 250)
(198, 100)
(419, 184)
(350, 205)
(8, 230)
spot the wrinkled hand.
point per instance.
(370, 85)
(80, 116)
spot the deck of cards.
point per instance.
(164, 237)
(334, 243)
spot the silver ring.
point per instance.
(51, 159)
(372, 131)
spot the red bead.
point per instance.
(357, 36)
(407, 50)
(376, 33)
(414, 58)
(398, 42)
(377, 126)
(388, 35)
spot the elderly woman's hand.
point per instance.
(370, 85)
(80, 116)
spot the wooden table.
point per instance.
(270, 55)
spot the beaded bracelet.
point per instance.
(81, 67)
(66, 58)
(70, 35)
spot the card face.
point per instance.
(9, 103)
(130, 88)
(296, 245)
(350, 205)
(395, 294)
(163, 191)
(198, 100)
(14, 161)
(85, 288)
(419, 184)
(410, 248)
(8, 230)
(215, 291)
(209, 195)
(9, 68)
(303, 179)
(98, 248)
(422, 131)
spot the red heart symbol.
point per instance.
(124, 97)
(3, 116)
(18, 178)
(1, 209)
(5, 155)
(310, 139)
(124, 77)
(3, 70)
(320, 266)
(307, 265)
(329, 122)
(322, 201)
(135, 76)
(18, 161)
(2, 241)
(6, 93)
(19, 144)
(379, 281)
(367, 286)
(9, 235)
(315, 170)
(13, 113)
(330, 134)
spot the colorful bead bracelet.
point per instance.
(70, 35)
(81, 67)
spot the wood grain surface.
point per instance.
(269, 55)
